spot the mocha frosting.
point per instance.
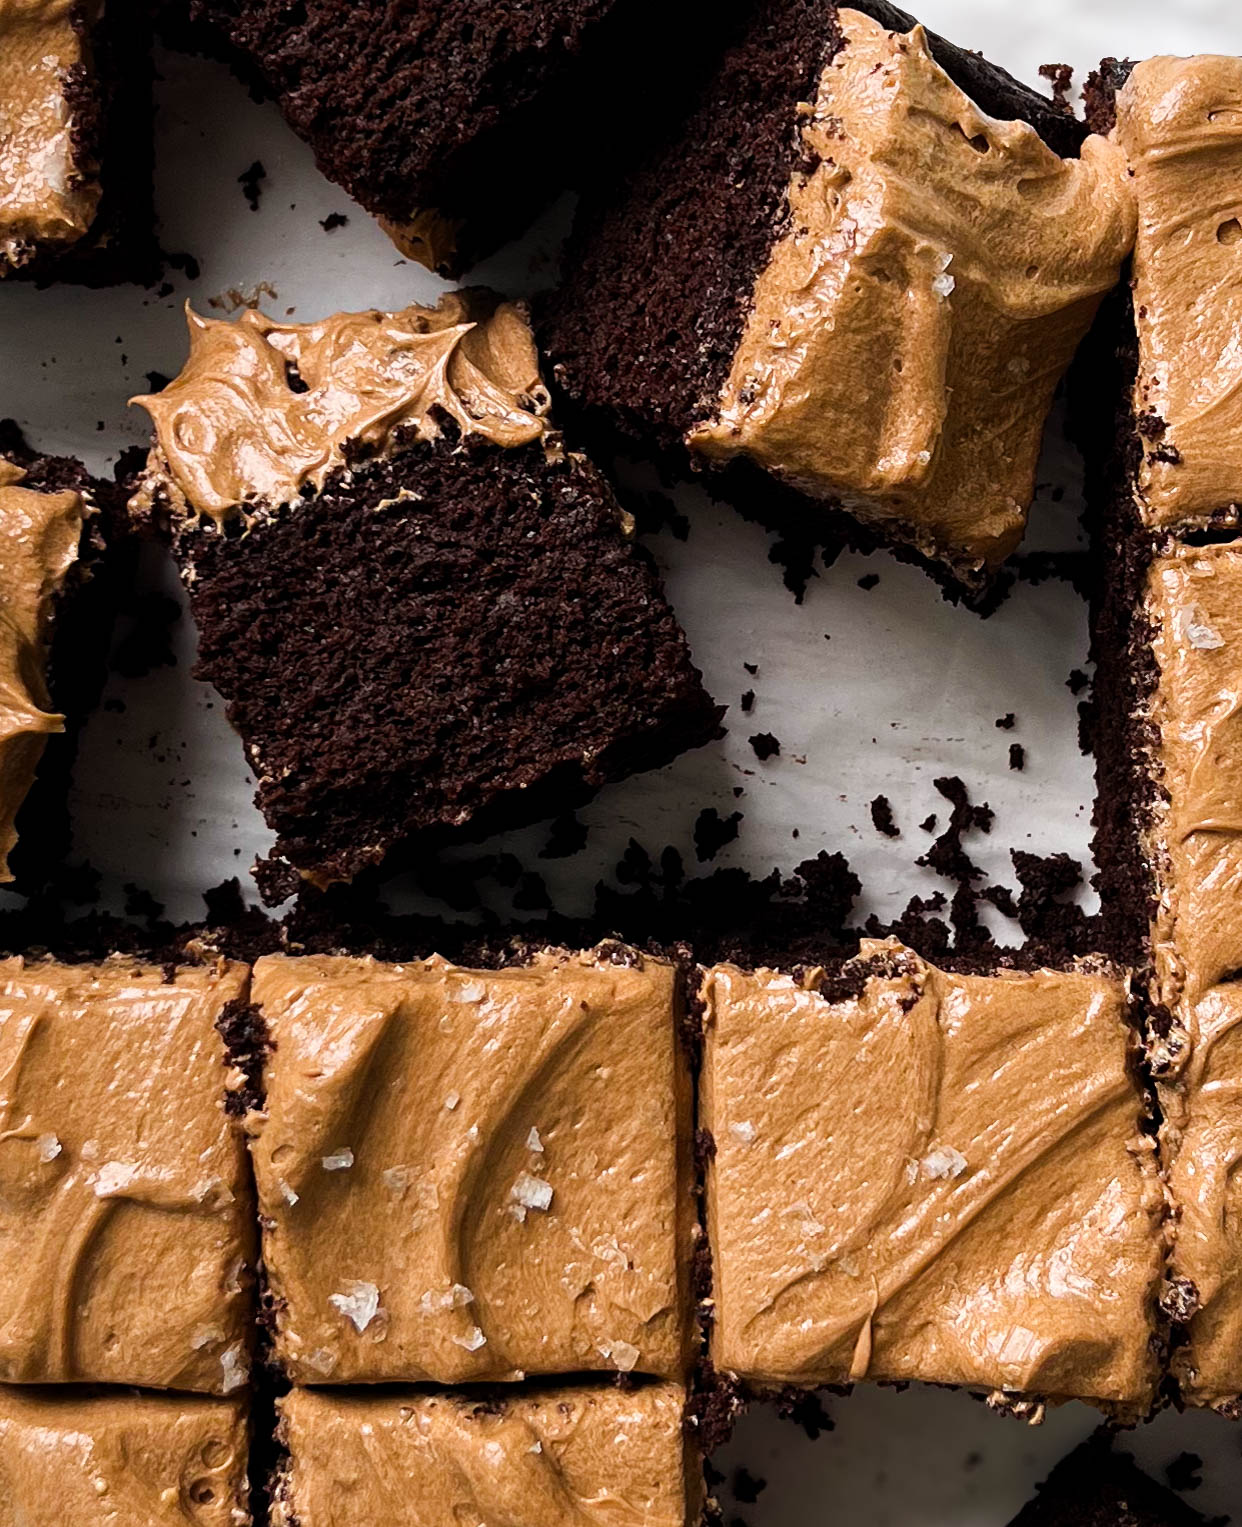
(1179, 122)
(426, 236)
(906, 337)
(45, 195)
(940, 1178)
(125, 1235)
(81, 1458)
(264, 410)
(1202, 1139)
(119, 1459)
(471, 1175)
(562, 1457)
(1194, 606)
(39, 539)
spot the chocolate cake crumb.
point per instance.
(805, 1409)
(1185, 1472)
(1077, 681)
(747, 1488)
(1017, 756)
(566, 837)
(1005, 723)
(1061, 78)
(928, 824)
(251, 182)
(712, 832)
(748, 702)
(868, 581)
(141, 903)
(224, 902)
(751, 668)
(765, 745)
(333, 221)
(882, 817)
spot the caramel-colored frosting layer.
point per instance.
(906, 337)
(263, 410)
(125, 1235)
(39, 538)
(573, 1457)
(939, 1179)
(1202, 1136)
(1179, 121)
(472, 1174)
(45, 198)
(1194, 604)
(77, 1458)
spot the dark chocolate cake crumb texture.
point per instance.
(882, 817)
(765, 746)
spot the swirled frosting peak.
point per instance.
(930, 1176)
(264, 409)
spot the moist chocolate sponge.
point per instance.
(463, 108)
(458, 637)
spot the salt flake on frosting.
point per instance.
(744, 1131)
(533, 1142)
(48, 1147)
(233, 1367)
(340, 1160)
(944, 1161)
(359, 1304)
(623, 1355)
(1198, 633)
(472, 1340)
(531, 1193)
(114, 1177)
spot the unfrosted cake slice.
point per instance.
(75, 141)
(850, 279)
(567, 1456)
(931, 1174)
(80, 1457)
(55, 622)
(473, 1175)
(425, 613)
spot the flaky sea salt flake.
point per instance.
(531, 1192)
(48, 1147)
(533, 1142)
(1198, 633)
(359, 1304)
(233, 1367)
(472, 1340)
(623, 1355)
(944, 1161)
(340, 1160)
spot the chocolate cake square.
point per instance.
(1097, 1486)
(55, 624)
(1199, 1064)
(575, 1456)
(77, 1457)
(76, 142)
(1179, 122)
(931, 1174)
(126, 1227)
(469, 1175)
(448, 123)
(425, 613)
(845, 286)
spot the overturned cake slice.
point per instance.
(934, 1175)
(424, 612)
(75, 141)
(850, 280)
